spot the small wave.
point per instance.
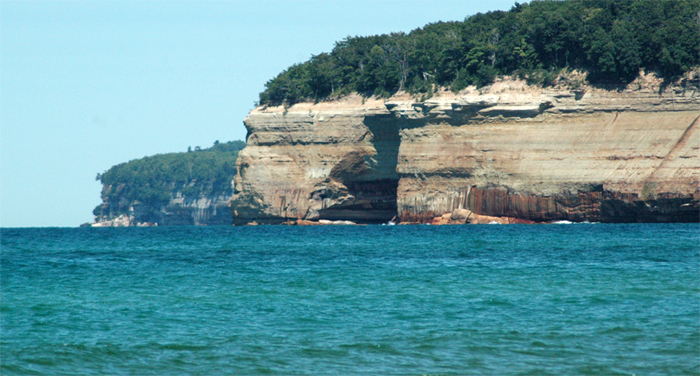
(494, 223)
(371, 347)
(41, 361)
(323, 353)
(566, 222)
(620, 329)
(183, 347)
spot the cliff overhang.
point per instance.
(508, 150)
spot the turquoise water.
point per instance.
(580, 299)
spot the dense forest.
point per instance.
(611, 40)
(151, 180)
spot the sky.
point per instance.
(90, 84)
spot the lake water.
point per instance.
(577, 299)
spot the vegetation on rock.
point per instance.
(152, 180)
(610, 40)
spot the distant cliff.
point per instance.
(507, 151)
(173, 189)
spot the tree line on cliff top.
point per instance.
(611, 40)
(151, 180)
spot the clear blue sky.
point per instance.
(87, 85)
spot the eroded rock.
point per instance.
(510, 151)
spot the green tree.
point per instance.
(611, 40)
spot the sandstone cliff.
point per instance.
(567, 152)
(179, 211)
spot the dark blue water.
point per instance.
(467, 300)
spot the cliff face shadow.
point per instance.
(371, 180)
(373, 202)
(385, 129)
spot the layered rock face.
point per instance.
(508, 150)
(325, 161)
(179, 211)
